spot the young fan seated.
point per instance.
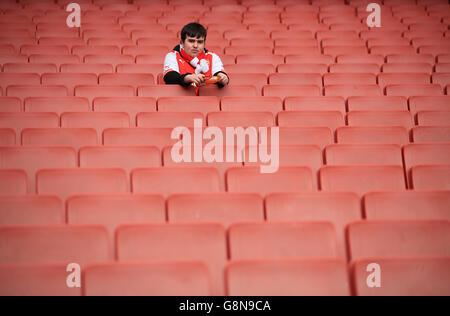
(190, 63)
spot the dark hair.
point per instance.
(193, 30)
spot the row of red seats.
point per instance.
(360, 179)
(209, 244)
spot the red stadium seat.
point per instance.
(372, 135)
(231, 90)
(303, 68)
(443, 79)
(67, 182)
(113, 60)
(57, 105)
(419, 276)
(10, 58)
(398, 238)
(260, 59)
(434, 177)
(289, 277)
(413, 205)
(24, 92)
(320, 136)
(295, 79)
(347, 91)
(13, 182)
(124, 157)
(66, 41)
(410, 59)
(82, 51)
(43, 157)
(190, 104)
(266, 69)
(9, 79)
(130, 105)
(240, 119)
(159, 137)
(362, 179)
(315, 104)
(355, 68)
(171, 180)
(330, 119)
(133, 80)
(92, 92)
(380, 118)
(426, 154)
(431, 103)
(313, 59)
(257, 80)
(7, 137)
(70, 81)
(54, 244)
(286, 240)
(87, 68)
(73, 137)
(284, 91)
(344, 50)
(360, 59)
(148, 279)
(205, 242)
(58, 60)
(431, 134)
(19, 121)
(349, 78)
(266, 104)
(286, 179)
(433, 118)
(387, 79)
(383, 103)
(114, 210)
(408, 67)
(31, 210)
(35, 280)
(168, 119)
(391, 50)
(158, 91)
(224, 208)
(359, 154)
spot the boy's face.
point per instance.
(194, 46)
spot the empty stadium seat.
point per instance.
(148, 279)
(124, 157)
(7, 137)
(158, 91)
(360, 59)
(19, 121)
(82, 51)
(412, 205)
(372, 135)
(171, 180)
(282, 240)
(266, 104)
(92, 92)
(54, 244)
(295, 79)
(241, 119)
(315, 104)
(360, 154)
(286, 179)
(202, 241)
(288, 277)
(303, 68)
(383, 103)
(129, 79)
(113, 210)
(57, 105)
(31, 210)
(349, 78)
(380, 118)
(67, 182)
(353, 90)
(433, 118)
(255, 79)
(10, 104)
(284, 91)
(9, 79)
(386, 79)
(58, 60)
(362, 179)
(378, 238)
(13, 182)
(413, 90)
(70, 81)
(338, 208)
(43, 157)
(330, 119)
(86, 68)
(168, 119)
(418, 276)
(24, 92)
(224, 208)
(320, 136)
(73, 137)
(426, 154)
(355, 68)
(231, 90)
(407, 68)
(35, 280)
(431, 134)
(159, 137)
(266, 69)
(435, 177)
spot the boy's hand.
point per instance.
(199, 79)
(223, 79)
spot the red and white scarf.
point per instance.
(199, 63)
